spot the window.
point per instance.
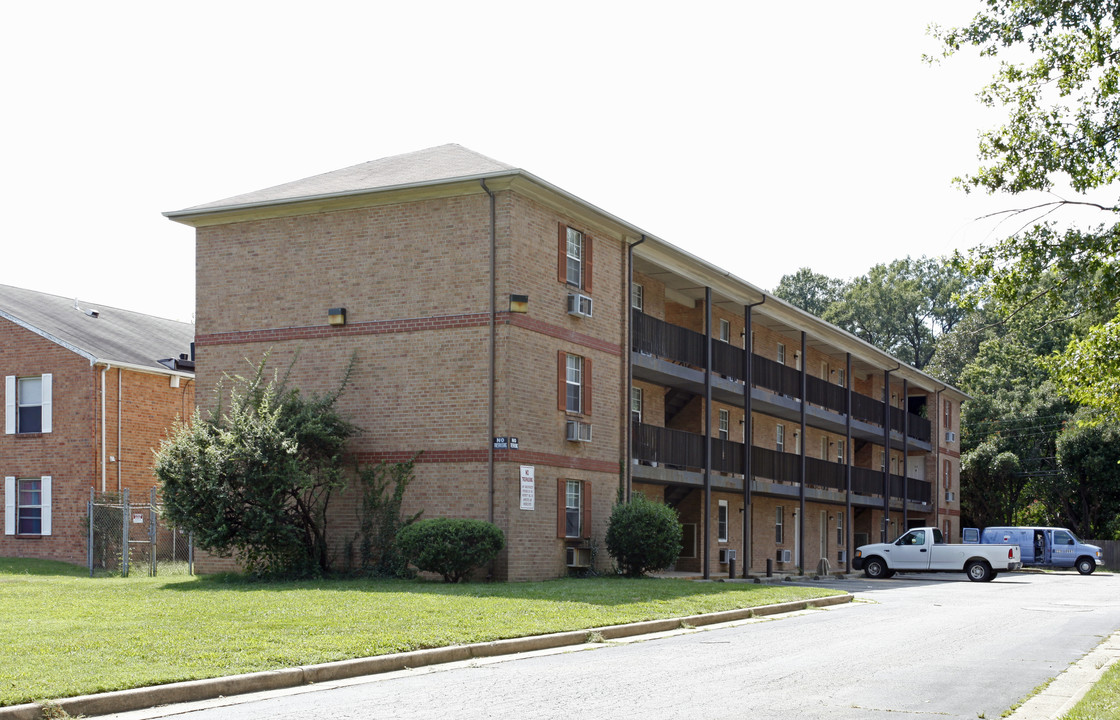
(842, 378)
(824, 448)
(781, 353)
(840, 452)
(948, 414)
(778, 524)
(27, 506)
(840, 529)
(780, 438)
(636, 404)
(724, 423)
(722, 521)
(752, 341)
(574, 383)
(946, 471)
(575, 258)
(637, 297)
(724, 331)
(573, 504)
(27, 404)
(948, 528)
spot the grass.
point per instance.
(66, 634)
(1102, 702)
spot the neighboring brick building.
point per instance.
(89, 391)
(485, 304)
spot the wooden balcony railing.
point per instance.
(685, 451)
(652, 336)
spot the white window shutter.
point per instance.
(46, 500)
(9, 506)
(10, 404)
(47, 413)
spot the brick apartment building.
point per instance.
(89, 391)
(548, 358)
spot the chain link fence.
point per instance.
(130, 537)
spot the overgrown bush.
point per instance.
(380, 519)
(643, 536)
(450, 547)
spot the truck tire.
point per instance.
(1086, 565)
(875, 568)
(978, 571)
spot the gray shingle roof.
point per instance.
(115, 335)
(446, 162)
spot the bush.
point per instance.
(451, 547)
(643, 536)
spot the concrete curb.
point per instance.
(1070, 686)
(193, 690)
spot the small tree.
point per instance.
(257, 478)
(451, 547)
(644, 536)
(380, 519)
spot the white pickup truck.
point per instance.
(924, 549)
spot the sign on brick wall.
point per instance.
(528, 488)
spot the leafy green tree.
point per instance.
(1088, 488)
(902, 307)
(643, 536)
(1059, 81)
(812, 292)
(991, 485)
(257, 477)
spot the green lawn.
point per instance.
(66, 634)
(1102, 702)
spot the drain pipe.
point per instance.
(748, 429)
(493, 354)
(628, 301)
(103, 436)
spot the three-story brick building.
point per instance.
(549, 358)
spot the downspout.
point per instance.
(492, 359)
(748, 430)
(707, 432)
(120, 383)
(905, 455)
(801, 461)
(883, 532)
(103, 468)
(628, 302)
(848, 530)
(935, 490)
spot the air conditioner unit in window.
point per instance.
(841, 556)
(950, 436)
(577, 557)
(579, 305)
(579, 431)
(950, 497)
(785, 556)
(725, 555)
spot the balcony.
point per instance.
(682, 450)
(660, 339)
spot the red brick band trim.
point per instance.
(403, 325)
(951, 453)
(315, 332)
(480, 456)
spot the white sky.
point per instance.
(762, 137)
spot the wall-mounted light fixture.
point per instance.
(336, 316)
(519, 303)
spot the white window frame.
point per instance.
(12, 403)
(840, 451)
(724, 330)
(724, 424)
(842, 377)
(782, 353)
(636, 404)
(575, 253)
(824, 448)
(840, 529)
(637, 297)
(722, 521)
(780, 437)
(779, 525)
(573, 383)
(573, 505)
(12, 505)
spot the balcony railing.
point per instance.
(652, 336)
(684, 450)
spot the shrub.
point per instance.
(451, 547)
(643, 536)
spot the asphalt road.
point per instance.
(915, 646)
